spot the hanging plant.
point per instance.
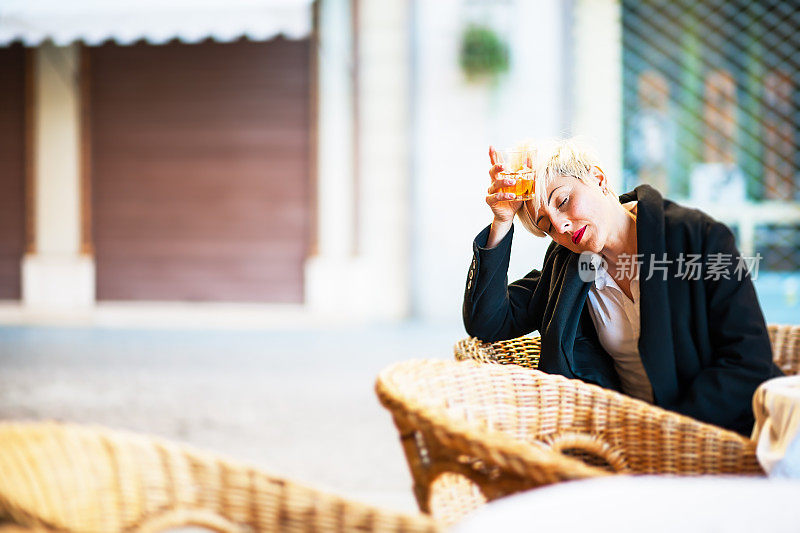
(483, 53)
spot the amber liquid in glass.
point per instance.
(523, 188)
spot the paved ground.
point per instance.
(299, 404)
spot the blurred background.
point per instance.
(219, 220)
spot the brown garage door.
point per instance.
(12, 168)
(200, 170)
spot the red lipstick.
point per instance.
(578, 235)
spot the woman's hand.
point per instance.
(502, 204)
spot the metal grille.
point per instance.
(779, 245)
(711, 108)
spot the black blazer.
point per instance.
(703, 342)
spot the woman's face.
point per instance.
(577, 215)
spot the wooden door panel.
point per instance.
(12, 169)
(200, 170)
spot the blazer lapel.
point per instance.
(566, 299)
(571, 298)
(655, 341)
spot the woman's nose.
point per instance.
(562, 224)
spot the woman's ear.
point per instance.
(600, 177)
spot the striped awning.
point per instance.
(154, 21)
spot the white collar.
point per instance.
(602, 278)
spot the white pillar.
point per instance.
(361, 266)
(56, 275)
(330, 270)
(384, 143)
(335, 188)
(598, 81)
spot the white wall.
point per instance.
(454, 124)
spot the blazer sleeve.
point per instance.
(742, 354)
(494, 310)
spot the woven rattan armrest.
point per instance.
(75, 478)
(524, 351)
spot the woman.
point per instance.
(686, 333)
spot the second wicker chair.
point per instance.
(71, 478)
(475, 432)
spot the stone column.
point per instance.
(360, 266)
(384, 144)
(598, 81)
(331, 264)
(55, 274)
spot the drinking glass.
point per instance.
(517, 165)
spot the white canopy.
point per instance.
(155, 21)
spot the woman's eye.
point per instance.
(564, 201)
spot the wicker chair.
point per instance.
(524, 351)
(475, 432)
(73, 478)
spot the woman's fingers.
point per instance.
(500, 197)
(498, 184)
(492, 155)
(494, 170)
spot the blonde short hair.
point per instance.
(551, 159)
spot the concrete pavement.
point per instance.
(300, 404)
